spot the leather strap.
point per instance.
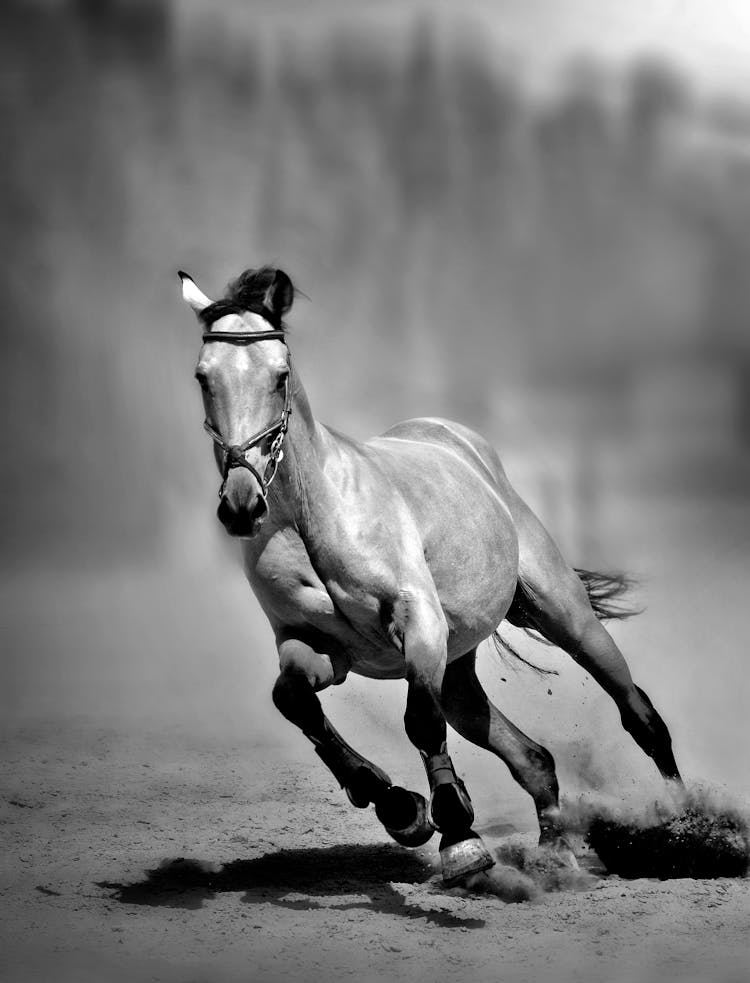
(439, 768)
(242, 337)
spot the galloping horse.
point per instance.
(393, 558)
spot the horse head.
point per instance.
(244, 373)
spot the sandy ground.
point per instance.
(270, 875)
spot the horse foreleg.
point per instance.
(462, 851)
(471, 713)
(304, 672)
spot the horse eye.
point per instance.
(281, 381)
(202, 380)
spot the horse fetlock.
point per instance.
(367, 784)
(651, 734)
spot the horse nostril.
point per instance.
(243, 521)
(259, 510)
(225, 513)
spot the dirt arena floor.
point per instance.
(265, 873)
(485, 226)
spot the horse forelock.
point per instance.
(246, 294)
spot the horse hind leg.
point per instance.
(303, 673)
(472, 714)
(565, 616)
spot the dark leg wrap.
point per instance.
(450, 805)
(362, 781)
(462, 851)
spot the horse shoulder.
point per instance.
(284, 580)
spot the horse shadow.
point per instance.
(302, 879)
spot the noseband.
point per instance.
(234, 454)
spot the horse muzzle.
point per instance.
(243, 522)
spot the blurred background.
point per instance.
(531, 216)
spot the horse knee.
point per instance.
(297, 658)
(421, 623)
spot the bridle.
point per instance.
(234, 454)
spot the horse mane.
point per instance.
(246, 294)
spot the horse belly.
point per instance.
(469, 537)
(475, 575)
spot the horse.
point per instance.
(394, 558)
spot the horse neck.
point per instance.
(301, 488)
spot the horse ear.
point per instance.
(280, 295)
(192, 294)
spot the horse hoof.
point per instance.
(404, 815)
(465, 857)
(558, 846)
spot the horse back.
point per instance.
(463, 441)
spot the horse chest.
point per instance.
(291, 598)
(292, 592)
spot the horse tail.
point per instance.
(606, 593)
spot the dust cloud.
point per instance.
(698, 831)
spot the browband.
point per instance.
(242, 337)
